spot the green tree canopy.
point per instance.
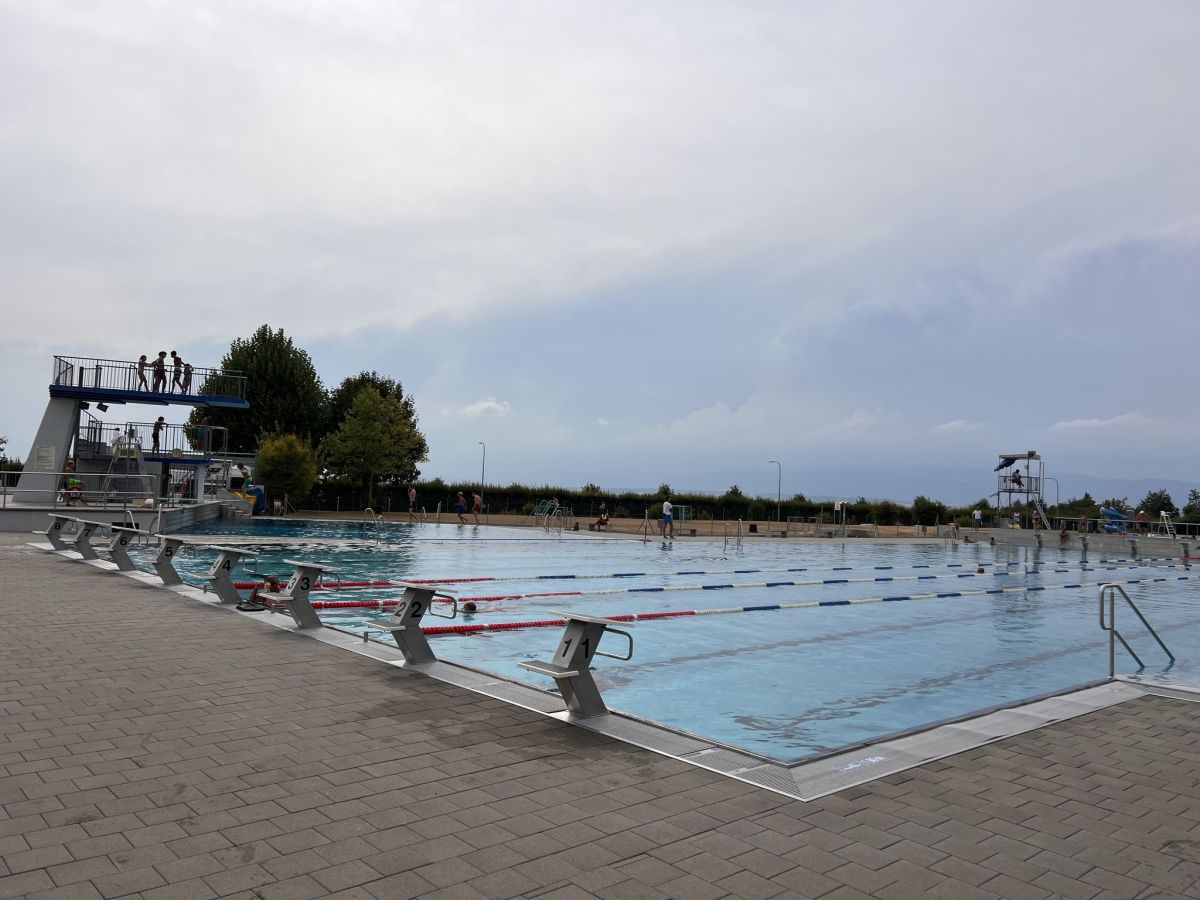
(287, 465)
(285, 394)
(377, 439)
(926, 511)
(341, 398)
(1191, 509)
(1156, 502)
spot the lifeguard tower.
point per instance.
(120, 460)
(1021, 475)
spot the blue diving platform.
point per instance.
(123, 381)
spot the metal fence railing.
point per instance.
(97, 438)
(77, 489)
(124, 375)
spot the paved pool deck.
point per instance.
(155, 747)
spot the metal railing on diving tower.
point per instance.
(126, 381)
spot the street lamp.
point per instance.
(482, 470)
(778, 491)
(1055, 480)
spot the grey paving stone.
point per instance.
(141, 757)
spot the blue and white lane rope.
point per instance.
(758, 571)
(808, 604)
(755, 585)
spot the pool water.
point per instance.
(783, 683)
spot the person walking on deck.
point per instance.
(177, 372)
(141, 373)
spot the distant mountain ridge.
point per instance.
(953, 486)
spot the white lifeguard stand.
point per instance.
(1021, 474)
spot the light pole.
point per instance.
(778, 491)
(1055, 480)
(483, 469)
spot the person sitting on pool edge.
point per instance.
(261, 598)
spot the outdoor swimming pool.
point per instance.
(850, 642)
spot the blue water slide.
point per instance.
(1115, 522)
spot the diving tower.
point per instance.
(78, 382)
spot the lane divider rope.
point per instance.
(811, 604)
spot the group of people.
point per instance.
(460, 505)
(181, 374)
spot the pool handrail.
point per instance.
(1111, 590)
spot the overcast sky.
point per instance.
(632, 242)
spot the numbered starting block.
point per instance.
(83, 541)
(405, 622)
(305, 576)
(164, 562)
(220, 575)
(570, 667)
(54, 533)
(118, 546)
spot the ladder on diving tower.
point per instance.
(125, 467)
(1041, 510)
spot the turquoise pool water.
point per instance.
(782, 682)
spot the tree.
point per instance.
(287, 465)
(664, 490)
(591, 490)
(378, 439)
(928, 512)
(733, 494)
(6, 464)
(1191, 509)
(341, 398)
(285, 394)
(1156, 502)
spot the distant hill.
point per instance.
(957, 487)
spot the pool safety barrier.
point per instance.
(405, 623)
(571, 666)
(807, 604)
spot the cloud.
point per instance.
(959, 425)
(1122, 421)
(488, 406)
(603, 422)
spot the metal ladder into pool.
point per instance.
(1109, 592)
(370, 517)
(736, 537)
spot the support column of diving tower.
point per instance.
(76, 382)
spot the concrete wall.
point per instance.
(1106, 545)
(178, 518)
